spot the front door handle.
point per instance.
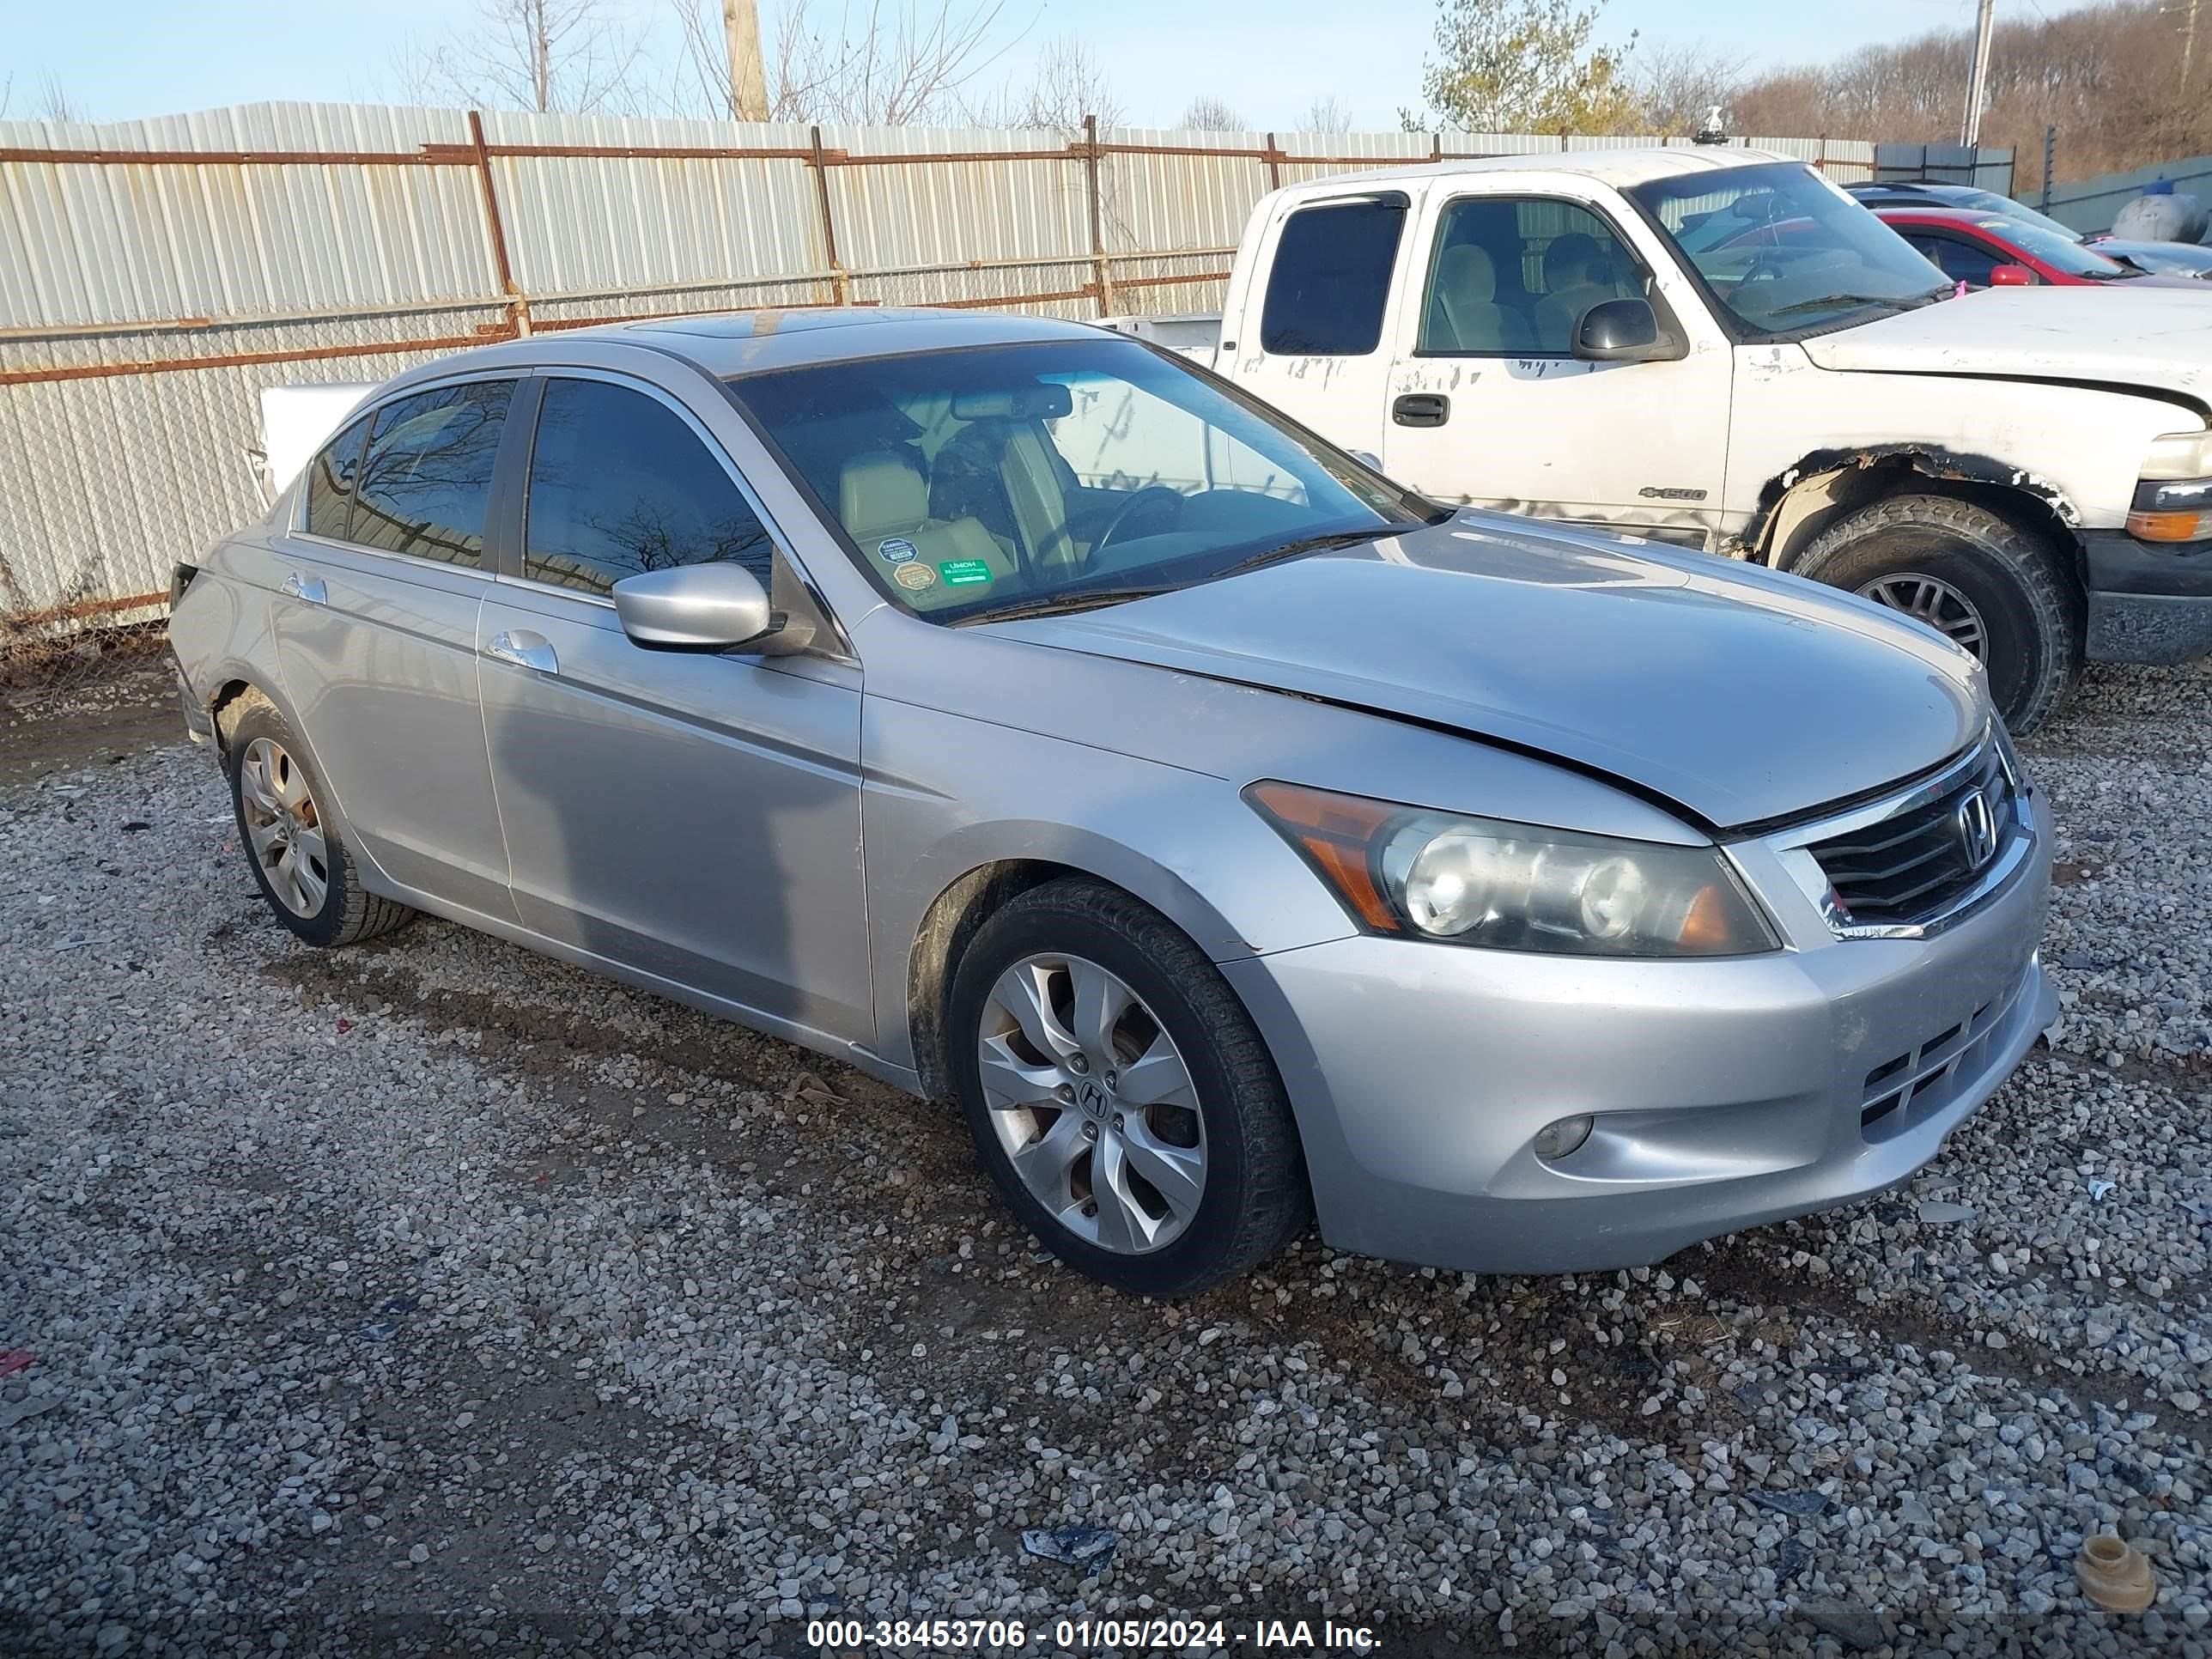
(524, 649)
(1421, 408)
(309, 588)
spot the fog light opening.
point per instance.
(1563, 1138)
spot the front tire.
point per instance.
(1994, 588)
(1118, 1094)
(298, 852)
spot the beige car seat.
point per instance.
(1577, 274)
(882, 501)
(1466, 305)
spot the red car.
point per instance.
(1988, 250)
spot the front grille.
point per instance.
(1912, 865)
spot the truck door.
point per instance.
(1488, 404)
(1313, 341)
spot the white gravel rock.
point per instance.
(432, 1297)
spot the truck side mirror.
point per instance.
(2011, 277)
(1625, 331)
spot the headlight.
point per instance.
(2180, 455)
(1462, 880)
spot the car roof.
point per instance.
(1996, 224)
(735, 342)
(1622, 168)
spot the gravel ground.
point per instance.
(431, 1297)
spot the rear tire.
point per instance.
(1220, 1184)
(296, 849)
(1966, 570)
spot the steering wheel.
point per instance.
(1152, 498)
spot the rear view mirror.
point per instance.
(695, 607)
(1625, 331)
(2011, 277)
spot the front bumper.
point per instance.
(2146, 604)
(1727, 1093)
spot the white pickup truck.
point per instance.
(1718, 347)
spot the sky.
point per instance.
(1270, 60)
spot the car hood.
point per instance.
(1735, 694)
(2158, 337)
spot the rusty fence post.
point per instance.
(1101, 265)
(840, 288)
(518, 308)
(1275, 164)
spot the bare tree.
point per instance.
(1677, 84)
(1207, 114)
(2113, 78)
(54, 103)
(1326, 114)
(574, 55)
(877, 62)
(1067, 84)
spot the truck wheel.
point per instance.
(1998, 589)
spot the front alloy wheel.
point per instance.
(1091, 1101)
(1118, 1093)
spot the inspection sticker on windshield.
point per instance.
(964, 573)
(918, 577)
(896, 550)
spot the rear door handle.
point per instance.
(524, 649)
(309, 588)
(1421, 408)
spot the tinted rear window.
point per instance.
(331, 480)
(425, 485)
(1331, 279)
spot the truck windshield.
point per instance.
(1787, 252)
(1056, 475)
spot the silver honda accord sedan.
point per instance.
(1235, 838)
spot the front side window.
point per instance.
(425, 485)
(1784, 251)
(620, 483)
(1330, 280)
(1511, 277)
(972, 482)
(1962, 262)
(331, 478)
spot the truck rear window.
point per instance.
(1331, 278)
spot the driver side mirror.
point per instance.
(1625, 331)
(2011, 277)
(697, 607)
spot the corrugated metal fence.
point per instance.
(156, 274)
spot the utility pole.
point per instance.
(1970, 130)
(2188, 43)
(748, 82)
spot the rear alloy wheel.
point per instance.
(1120, 1095)
(297, 849)
(1979, 580)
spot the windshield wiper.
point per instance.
(1308, 545)
(1900, 303)
(1059, 604)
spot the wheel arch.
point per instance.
(1798, 504)
(952, 918)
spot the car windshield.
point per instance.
(1988, 201)
(1786, 252)
(1057, 475)
(2059, 252)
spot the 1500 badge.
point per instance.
(1670, 493)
